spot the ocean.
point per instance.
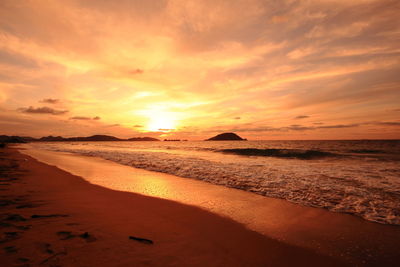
(357, 177)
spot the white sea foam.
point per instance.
(366, 187)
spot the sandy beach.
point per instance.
(52, 218)
(67, 207)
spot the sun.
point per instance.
(161, 124)
(160, 121)
(159, 118)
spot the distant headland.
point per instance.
(25, 139)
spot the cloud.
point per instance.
(113, 125)
(303, 128)
(301, 117)
(297, 127)
(16, 59)
(339, 126)
(84, 118)
(389, 123)
(136, 71)
(50, 101)
(293, 127)
(236, 118)
(80, 118)
(42, 110)
(138, 126)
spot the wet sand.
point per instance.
(52, 218)
(183, 235)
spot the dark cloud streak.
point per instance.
(50, 101)
(43, 110)
(84, 118)
(80, 118)
(301, 117)
(389, 123)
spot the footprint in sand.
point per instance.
(65, 235)
(10, 249)
(8, 236)
(37, 216)
(23, 259)
(6, 202)
(15, 218)
(45, 248)
(27, 206)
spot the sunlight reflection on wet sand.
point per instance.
(247, 208)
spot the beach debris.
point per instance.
(36, 216)
(142, 240)
(88, 237)
(15, 218)
(65, 235)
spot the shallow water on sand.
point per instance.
(358, 177)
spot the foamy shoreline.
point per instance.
(364, 186)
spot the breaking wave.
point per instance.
(280, 153)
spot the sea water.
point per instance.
(358, 177)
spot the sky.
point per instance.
(326, 69)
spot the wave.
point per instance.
(369, 189)
(281, 153)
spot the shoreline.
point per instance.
(345, 238)
(182, 235)
(340, 235)
(360, 184)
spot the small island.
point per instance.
(226, 137)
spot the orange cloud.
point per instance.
(197, 66)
